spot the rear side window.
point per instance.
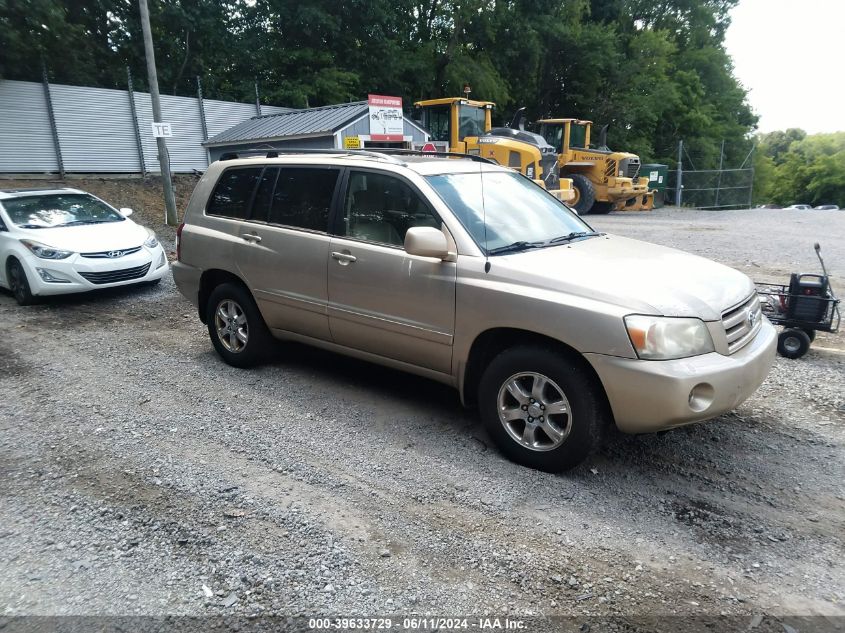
(264, 194)
(303, 197)
(233, 193)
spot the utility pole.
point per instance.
(679, 184)
(163, 157)
(721, 164)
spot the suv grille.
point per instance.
(113, 276)
(742, 323)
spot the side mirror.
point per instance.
(125, 212)
(426, 241)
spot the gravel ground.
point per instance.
(141, 475)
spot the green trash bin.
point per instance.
(658, 176)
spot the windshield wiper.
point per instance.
(573, 236)
(32, 226)
(522, 245)
(78, 222)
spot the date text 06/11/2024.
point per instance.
(416, 624)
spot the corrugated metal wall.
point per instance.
(26, 142)
(96, 131)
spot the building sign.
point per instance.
(162, 130)
(386, 121)
(351, 142)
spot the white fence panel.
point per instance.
(26, 140)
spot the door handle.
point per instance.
(344, 258)
(251, 237)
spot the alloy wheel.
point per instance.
(534, 411)
(231, 325)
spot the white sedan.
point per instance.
(60, 241)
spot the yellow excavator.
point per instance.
(466, 125)
(603, 180)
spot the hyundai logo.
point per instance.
(751, 318)
(114, 254)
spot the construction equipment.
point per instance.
(466, 126)
(604, 180)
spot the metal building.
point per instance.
(345, 125)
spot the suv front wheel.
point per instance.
(540, 408)
(235, 326)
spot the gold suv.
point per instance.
(470, 274)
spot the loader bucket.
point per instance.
(642, 202)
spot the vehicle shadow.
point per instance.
(78, 298)
(370, 382)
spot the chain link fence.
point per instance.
(721, 188)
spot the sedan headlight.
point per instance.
(46, 252)
(151, 242)
(667, 338)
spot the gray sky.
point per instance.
(791, 56)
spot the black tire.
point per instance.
(793, 343)
(257, 337)
(582, 425)
(601, 208)
(811, 334)
(18, 283)
(586, 193)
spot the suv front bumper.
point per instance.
(649, 395)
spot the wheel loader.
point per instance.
(603, 180)
(466, 125)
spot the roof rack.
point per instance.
(383, 153)
(417, 152)
(274, 153)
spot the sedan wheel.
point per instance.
(19, 284)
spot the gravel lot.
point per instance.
(141, 475)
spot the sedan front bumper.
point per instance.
(80, 274)
(648, 395)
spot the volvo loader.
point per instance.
(603, 180)
(466, 125)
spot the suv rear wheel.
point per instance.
(235, 325)
(540, 408)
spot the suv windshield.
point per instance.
(519, 214)
(52, 210)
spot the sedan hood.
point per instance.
(642, 277)
(90, 238)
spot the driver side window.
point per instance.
(381, 208)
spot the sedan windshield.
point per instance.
(66, 209)
(519, 214)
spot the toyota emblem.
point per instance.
(751, 318)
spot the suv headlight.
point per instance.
(667, 338)
(151, 242)
(45, 252)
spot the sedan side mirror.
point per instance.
(126, 212)
(426, 241)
